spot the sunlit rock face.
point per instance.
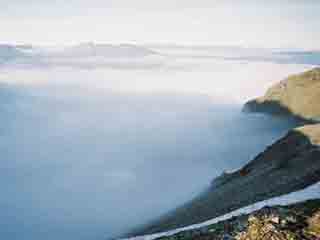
(297, 95)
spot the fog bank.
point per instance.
(92, 153)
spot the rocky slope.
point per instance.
(290, 164)
(294, 222)
(298, 95)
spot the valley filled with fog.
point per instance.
(96, 140)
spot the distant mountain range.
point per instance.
(104, 50)
(240, 53)
(35, 55)
(86, 52)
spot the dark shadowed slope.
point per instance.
(290, 164)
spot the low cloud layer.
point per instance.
(91, 153)
(79, 165)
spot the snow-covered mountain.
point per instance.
(141, 56)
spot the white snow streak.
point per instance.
(311, 192)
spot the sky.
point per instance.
(281, 23)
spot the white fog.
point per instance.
(92, 147)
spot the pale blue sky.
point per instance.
(282, 23)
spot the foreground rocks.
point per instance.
(296, 222)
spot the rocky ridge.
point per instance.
(294, 222)
(289, 164)
(297, 95)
